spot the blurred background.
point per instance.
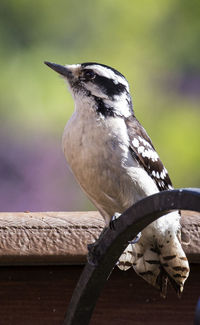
(155, 44)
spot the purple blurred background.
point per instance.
(35, 177)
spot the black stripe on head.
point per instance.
(105, 66)
(108, 86)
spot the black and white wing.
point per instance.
(143, 150)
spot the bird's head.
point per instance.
(98, 84)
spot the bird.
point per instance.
(115, 163)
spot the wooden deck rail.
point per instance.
(42, 255)
(106, 252)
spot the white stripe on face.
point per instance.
(108, 73)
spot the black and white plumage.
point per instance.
(143, 149)
(116, 164)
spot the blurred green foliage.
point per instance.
(155, 44)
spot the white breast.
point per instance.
(97, 151)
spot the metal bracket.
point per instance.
(112, 243)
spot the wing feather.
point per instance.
(143, 150)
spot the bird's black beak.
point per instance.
(64, 71)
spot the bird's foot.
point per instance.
(113, 219)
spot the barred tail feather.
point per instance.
(127, 259)
(157, 263)
(175, 263)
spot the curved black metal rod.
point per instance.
(112, 243)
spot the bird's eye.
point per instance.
(89, 74)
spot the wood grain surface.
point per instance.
(39, 295)
(30, 238)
